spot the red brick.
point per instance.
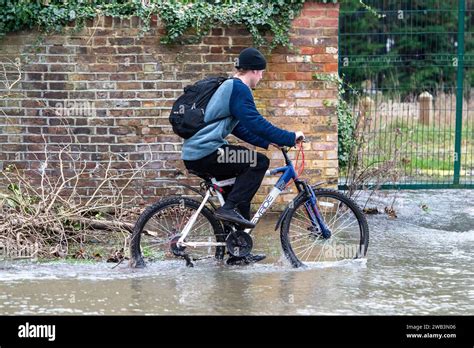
(57, 59)
(302, 41)
(34, 76)
(324, 58)
(215, 40)
(244, 41)
(119, 113)
(325, 23)
(121, 41)
(236, 31)
(233, 49)
(281, 67)
(108, 21)
(282, 84)
(313, 13)
(129, 68)
(60, 50)
(216, 58)
(313, 5)
(313, 50)
(309, 102)
(131, 50)
(102, 68)
(62, 68)
(128, 85)
(217, 31)
(122, 77)
(301, 23)
(299, 76)
(331, 67)
(217, 49)
(36, 67)
(305, 67)
(104, 50)
(273, 76)
(55, 95)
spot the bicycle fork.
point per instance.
(313, 212)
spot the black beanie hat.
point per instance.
(251, 59)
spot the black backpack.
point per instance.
(187, 113)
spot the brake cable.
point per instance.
(301, 169)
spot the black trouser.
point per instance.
(247, 166)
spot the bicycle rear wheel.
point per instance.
(303, 243)
(160, 225)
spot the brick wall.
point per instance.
(112, 90)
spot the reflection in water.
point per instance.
(414, 267)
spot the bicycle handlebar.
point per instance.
(285, 149)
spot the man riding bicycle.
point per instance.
(208, 153)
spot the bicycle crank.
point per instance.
(239, 244)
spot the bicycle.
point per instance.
(311, 229)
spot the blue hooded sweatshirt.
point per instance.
(233, 98)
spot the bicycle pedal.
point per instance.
(186, 257)
(189, 263)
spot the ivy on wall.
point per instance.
(184, 21)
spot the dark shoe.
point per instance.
(234, 216)
(235, 260)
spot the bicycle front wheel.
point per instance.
(160, 225)
(303, 243)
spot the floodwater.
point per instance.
(418, 264)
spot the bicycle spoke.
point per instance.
(339, 229)
(300, 239)
(332, 221)
(303, 236)
(312, 245)
(201, 225)
(303, 252)
(184, 219)
(304, 216)
(336, 218)
(323, 210)
(165, 228)
(311, 250)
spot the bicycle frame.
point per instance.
(288, 174)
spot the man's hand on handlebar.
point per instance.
(299, 137)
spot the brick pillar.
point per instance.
(291, 99)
